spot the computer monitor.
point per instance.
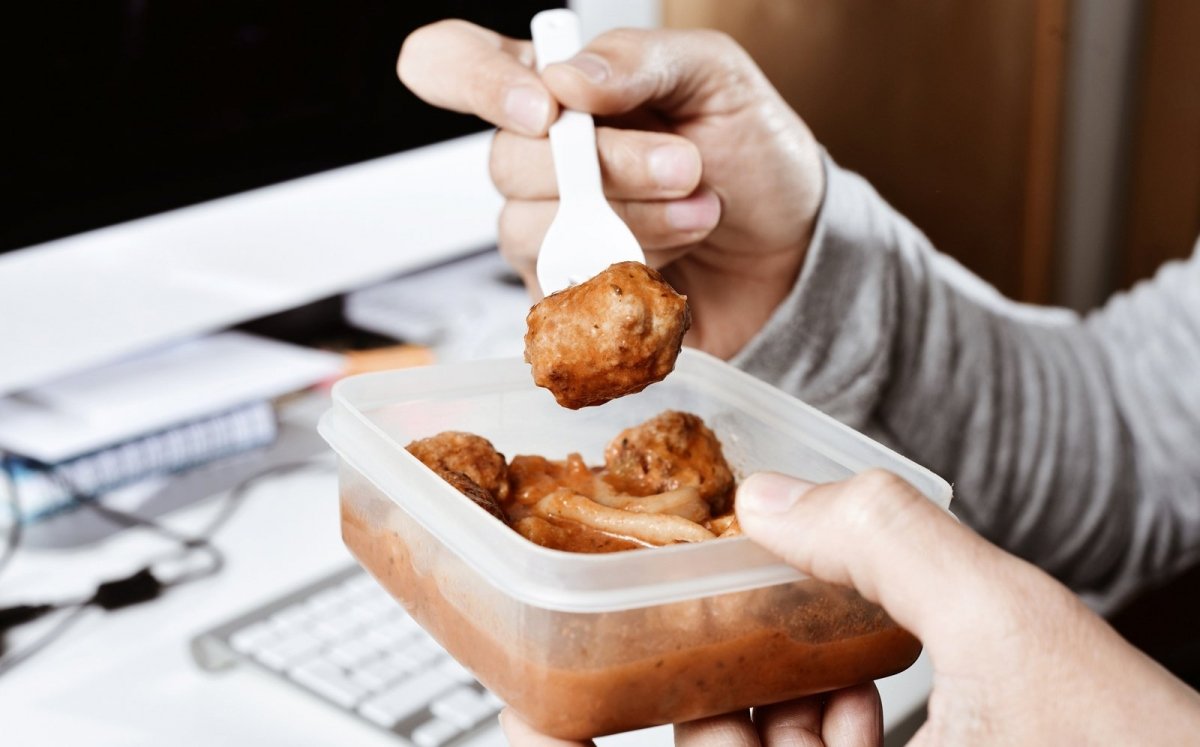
(130, 109)
(177, 168)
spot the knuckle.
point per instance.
(879, 499)
(880, 482)
(498, 164)
(621, 40)
(727, 49)
(716, 40)
(733, 68)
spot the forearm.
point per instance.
(1016, 405)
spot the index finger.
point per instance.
(466, 68)
(678, 73)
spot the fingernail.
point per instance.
(696, 213)
(594, 67)
(528, 108)
(673, 166)
(770, 493)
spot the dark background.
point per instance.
(117, 109)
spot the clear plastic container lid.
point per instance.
(761, 428)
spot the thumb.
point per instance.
(877, 534)
(676, 73)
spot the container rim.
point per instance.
(555, 579)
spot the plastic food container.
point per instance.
(586, 645)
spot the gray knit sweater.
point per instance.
(1073, 442)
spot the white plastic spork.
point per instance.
(586, 235)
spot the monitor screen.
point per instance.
(125, 108)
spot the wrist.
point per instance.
(731, 304)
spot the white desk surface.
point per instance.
(127, 678)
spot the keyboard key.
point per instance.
(327, 600)
(455, 671)
(288, 650)
(335, 627)
(376, 607)
(385, 638)
(361, 584)
(252, 637)
(352, 652)
(377, 674)
(434, 733)
(364, 615)
(288, 618)
(418, 652)
(464, 707)
(397, 626)
(405, 698)
(330, 681)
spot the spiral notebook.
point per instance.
(48, 489)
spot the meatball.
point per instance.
(670, 451)
(472, 456)
(607, 337)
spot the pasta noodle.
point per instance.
(655, 529)
(685, 502)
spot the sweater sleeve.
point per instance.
(1071, 441)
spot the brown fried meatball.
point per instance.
(607, 337)
(473, 456)
(670, 451)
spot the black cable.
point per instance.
(145, 584)
(12, 661)
(187, 543)
(203, 539)
(239, 491)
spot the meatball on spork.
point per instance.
(612, 335)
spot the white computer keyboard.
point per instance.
(346, 641)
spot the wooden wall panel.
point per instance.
(1163, 223)
(950, 108)
(1164, 209)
